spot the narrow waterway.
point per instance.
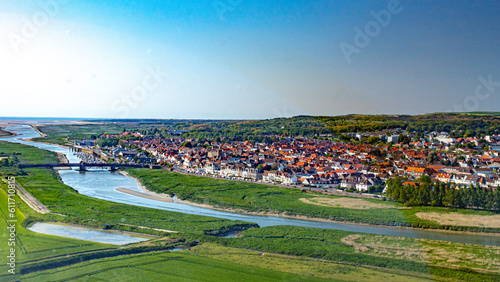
(102, 184)
(85, 233)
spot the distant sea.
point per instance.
(44, 118)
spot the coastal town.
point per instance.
(316, 163)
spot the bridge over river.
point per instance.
(83, 166)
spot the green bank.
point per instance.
(252, 197)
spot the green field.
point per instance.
(163, 267)
(301, 265)
(414, 257)
(26, 154)
(57, 134)
(253, 197)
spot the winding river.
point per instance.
(102, 184)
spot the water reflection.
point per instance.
(85, 233)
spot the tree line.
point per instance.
(439, 194)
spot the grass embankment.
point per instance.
(57, 134)
(252, 197)
(301, 265)
(435, 259)
(27, 154)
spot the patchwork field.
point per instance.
(347, 203)
(438, 253)
(491, 221)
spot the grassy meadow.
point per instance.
(404, 256)
(252, 197)
(57, 134)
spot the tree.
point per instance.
(373, 139)
(187, 145)
(462, 199)
(450, 199)
(496, 201)
(5, 162)
(432, 157)
(436, 200)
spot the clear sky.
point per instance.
(243, 59)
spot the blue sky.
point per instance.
(242, 59)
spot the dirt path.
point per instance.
(143, 227)
(62, 158)
(31, 201)
(38, 130)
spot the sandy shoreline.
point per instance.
(41, 142)
(5, 133)
(42, 134)
(62, 158)
(144, 195)
(147, 193)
